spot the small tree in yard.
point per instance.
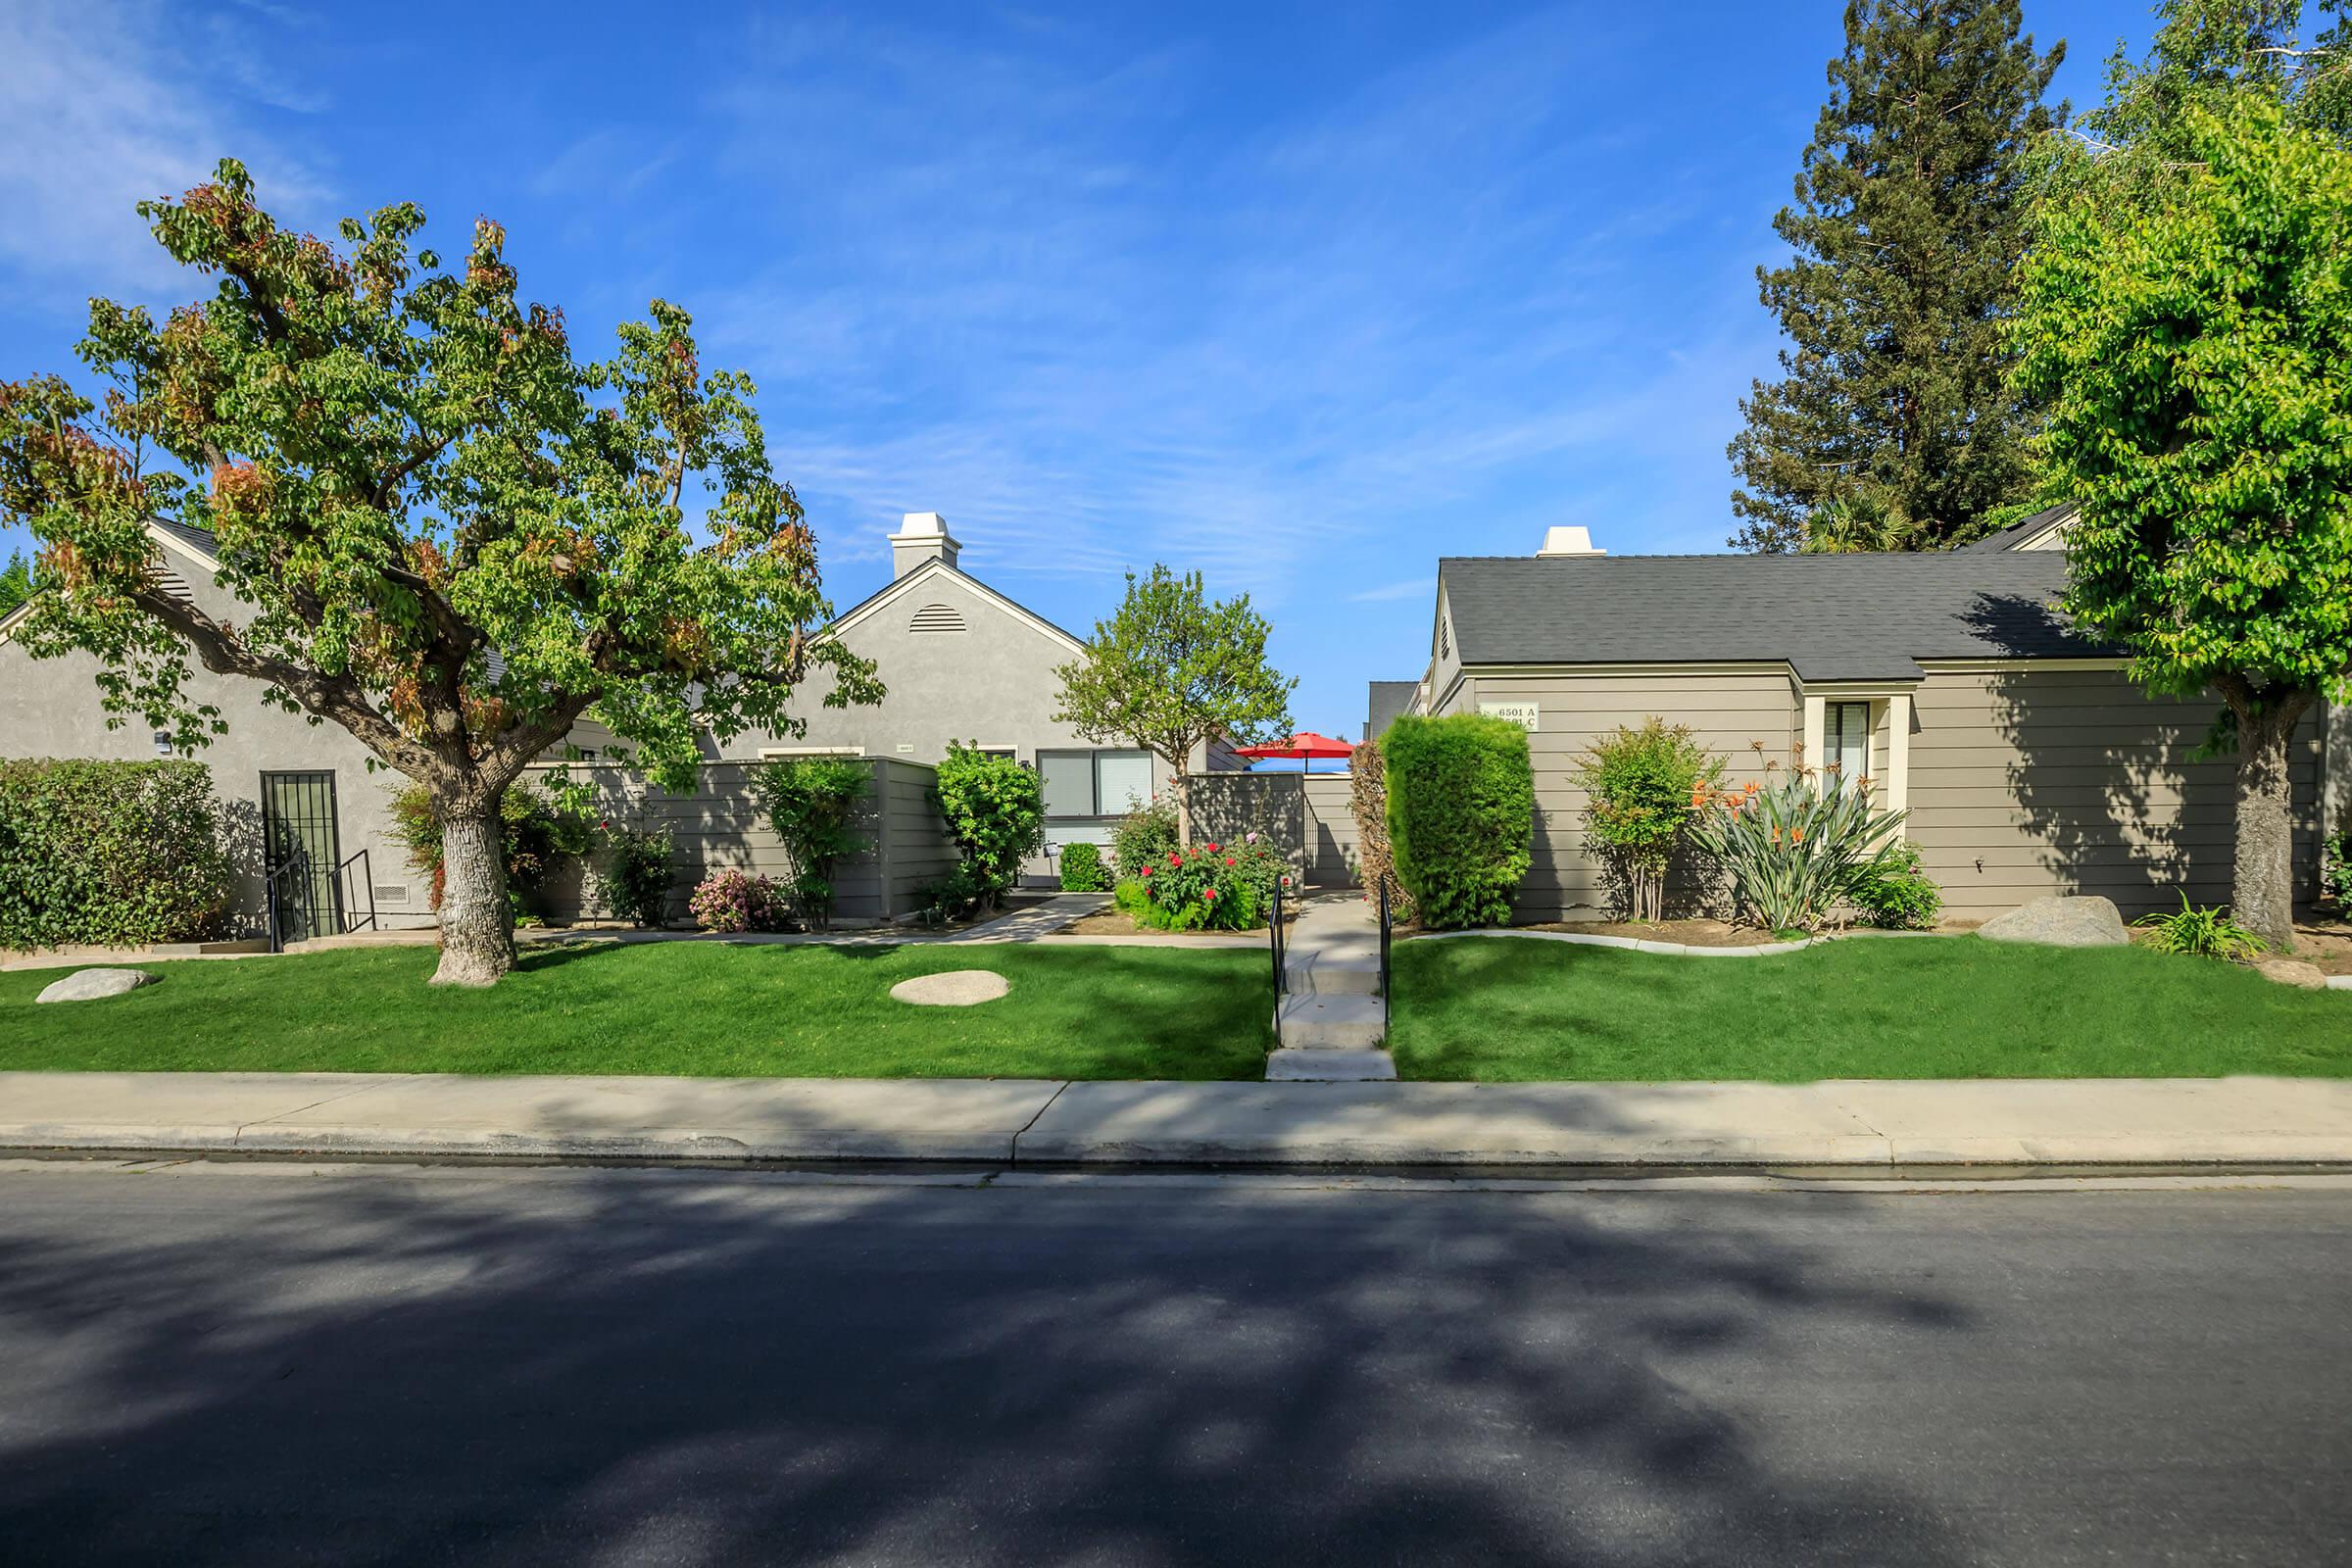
(1641, 787)
(449, 535)
(995, 811)
(811, 803)
(1169, 672)
(2188, 313)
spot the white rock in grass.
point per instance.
(87, 985)
(956, 988)
(2084, 921)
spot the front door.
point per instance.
(303, 853)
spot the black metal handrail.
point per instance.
(274, 902)
(367, 881)
(1385, 926)
(1276, 943)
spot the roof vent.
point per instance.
(936, 617)
(1564, 541)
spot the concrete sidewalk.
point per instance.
(1887, 1124)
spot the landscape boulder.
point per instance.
(87, 985)
(953, 987)
(2086, 921)
(2293, 972)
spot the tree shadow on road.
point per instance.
(630, 1366)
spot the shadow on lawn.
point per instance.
(621, 1368)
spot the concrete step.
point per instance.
(1336, 1023)
(1329, 1067)
(1333, 974)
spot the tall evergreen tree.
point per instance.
(1908, 224)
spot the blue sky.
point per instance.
(1301, 298)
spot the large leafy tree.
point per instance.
(1170, 670)
(2207, 54)
(1894, 403)
(2186, 313)
(449, 534)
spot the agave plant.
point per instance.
(1794, 846)
(2205, 933)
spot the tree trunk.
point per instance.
(477, 930)
(2263, 893)
(1183, 782)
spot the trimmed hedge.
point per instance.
(111, 853)
(1461, 816)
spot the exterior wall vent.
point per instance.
(937, 618)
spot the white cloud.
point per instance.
(104, 104)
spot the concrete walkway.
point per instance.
(1331, 1020)
(1880, 1125)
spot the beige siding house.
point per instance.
(2027, 760)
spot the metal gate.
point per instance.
(303, 856)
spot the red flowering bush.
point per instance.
(1218, 887)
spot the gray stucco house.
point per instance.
(282, 779)
(2028, 762)
(963, 662)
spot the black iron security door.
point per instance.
(303, 851)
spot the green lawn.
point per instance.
(685, 1008)
(1521, 1010)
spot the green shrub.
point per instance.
(1461, 816)
(2201, 933)
(1643, 788)
(1894, 894)
(536, 831)
(1082, 868)
(950, 897)
(1214, 888)
(2340, 867)
(111, 853)
(995, 813)
(1143, 837)
(1368, 801)
(1793, 847)
(809, 802)
(637, 880)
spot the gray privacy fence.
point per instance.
(717, 824)
(1306, 814)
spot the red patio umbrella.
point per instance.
(1306, 746)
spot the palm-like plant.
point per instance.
(1795, 844)
(2203, 933)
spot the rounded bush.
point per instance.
(1461, 816)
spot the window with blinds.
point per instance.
(1095, 783)
(1845, 741)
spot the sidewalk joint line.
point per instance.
(1012, 1150)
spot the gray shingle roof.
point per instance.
(1388, 699)
(1829, 617)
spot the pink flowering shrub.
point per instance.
(735, 901)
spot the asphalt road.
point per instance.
(363, 1365)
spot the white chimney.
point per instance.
(1560, 541)
(921, 535)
